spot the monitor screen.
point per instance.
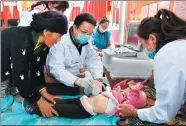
(132, 38)
(132, 34)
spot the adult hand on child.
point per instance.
(46, 108)
(84, 82)
(48, 96)
(126, 110)
(97, 87)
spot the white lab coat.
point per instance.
(65, 61)
(170, 83)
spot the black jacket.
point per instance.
(22, 64)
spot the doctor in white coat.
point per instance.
(164, 35)
(74, 52)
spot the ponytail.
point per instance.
(165, 25)
(171, 25)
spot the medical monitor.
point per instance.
(132, 39)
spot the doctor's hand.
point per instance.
(48, 96)
(126, 110)
(97, 87)
(84, 82)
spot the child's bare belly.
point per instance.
(98, 103)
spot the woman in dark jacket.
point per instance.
(23, 54)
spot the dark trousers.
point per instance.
(67, 108)
(61, 89)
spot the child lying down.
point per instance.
(104, 103)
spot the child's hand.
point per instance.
(135, 86)
(121, 85)
(132, 82)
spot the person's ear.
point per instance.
(153, 39)
(46, 32)
(74, 27)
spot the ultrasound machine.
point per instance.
(129, 60)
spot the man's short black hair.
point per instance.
(84, 17)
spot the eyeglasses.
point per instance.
(83, 32)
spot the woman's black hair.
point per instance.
(51, 20)
(84, 17)
(61, 4)
(165, 25)
(103, 20)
